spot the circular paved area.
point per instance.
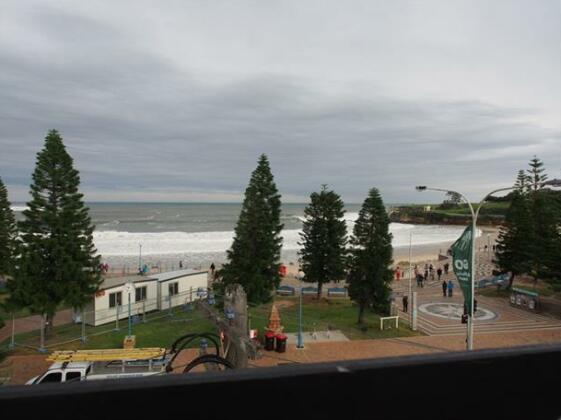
(454, 311)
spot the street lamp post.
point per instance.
(129, 288)
(300, 343)
(410, 303)
(139, 258)
(474, 215)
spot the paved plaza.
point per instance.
(439, 315)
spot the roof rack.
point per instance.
(107, 355)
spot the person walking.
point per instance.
(405, 301)
(426, 275)
(444, 288)
(439, 273)
(446, 268)
(450, 288)
(397, 273)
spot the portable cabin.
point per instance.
(179, 287)
(111, 300)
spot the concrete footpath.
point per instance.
(32, 323)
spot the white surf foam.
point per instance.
(112, 243)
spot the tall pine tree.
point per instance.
(513, 250)
(546, 216)
(58, 260)
(370, 259)
(522, 183)
(254, 258)
(324, 237)
(8, 234)
(536, 175)
(545, 219)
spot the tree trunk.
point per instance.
(510, 280)
(49, 319)
(360, 313)
(320, 285)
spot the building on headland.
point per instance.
(149, 293)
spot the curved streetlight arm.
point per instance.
(451, 191)
(489, 195)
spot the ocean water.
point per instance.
(198, 234)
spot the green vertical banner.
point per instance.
(462, 261)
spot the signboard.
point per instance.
(462, 263)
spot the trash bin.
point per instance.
(281, 343)
(269, 341)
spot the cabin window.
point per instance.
(72, 375)
(115, 299)
(173, 289)
(52, 377)
(140, 293)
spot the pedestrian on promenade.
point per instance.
(405, 301)
(397, 273)
(431, 268)
(439, 273)
(419, 278)
(446, 268)
(450, 288)
(426, 275)
(416, 271)
(444, 288)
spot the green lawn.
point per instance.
(339, 314)
(160, 330)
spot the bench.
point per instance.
(286, 291)
(337, 292)
(309, 291)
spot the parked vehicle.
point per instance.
(87, 365)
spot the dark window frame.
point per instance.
(117, 299)
(142, 291)
(173, 288)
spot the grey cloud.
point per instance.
(136, 122)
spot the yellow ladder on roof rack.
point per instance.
(106, 355)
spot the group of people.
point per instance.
(447, 288)
(430, 272)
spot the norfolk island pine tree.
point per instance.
(58, 260)
(370, 259)
(324, 239)
(254, 257)
(8, 234)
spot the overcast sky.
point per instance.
(175, 100)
